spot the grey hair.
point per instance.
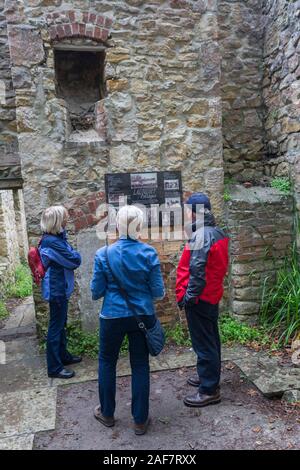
(52, 219)
(130, 221)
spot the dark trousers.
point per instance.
(57, 352)
(112, 333)
(202, 321)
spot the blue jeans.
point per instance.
(57, 352)
(112, 333)
(202, 321)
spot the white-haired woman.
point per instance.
(137, 269)
(60, 260)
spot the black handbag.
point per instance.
(155, 336)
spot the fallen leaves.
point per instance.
(164, 420)
(257, 429)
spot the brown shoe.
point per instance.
(107, 421)
(200, 399)
(194, 381)
(140, 429)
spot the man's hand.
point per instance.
(185, 302)
(181, 304)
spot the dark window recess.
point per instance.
(80, 82)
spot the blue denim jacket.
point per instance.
(138, 269)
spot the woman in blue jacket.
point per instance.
(137, 268)
(60, 261)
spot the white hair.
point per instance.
(52, 219)
(130, 221)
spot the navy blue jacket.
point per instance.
(60, 260)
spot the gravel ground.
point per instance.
(243, 420)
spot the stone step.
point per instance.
(268, 375)
(27, 411)
(21, 321)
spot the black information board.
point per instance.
(152, 188)
(155, 187)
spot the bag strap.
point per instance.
(124, 293)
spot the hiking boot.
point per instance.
(194, 381)
(109, 422)
(200, 399)
(140, 429)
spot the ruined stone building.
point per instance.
(206, 87)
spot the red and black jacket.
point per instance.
(203, 265)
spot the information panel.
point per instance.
(157, 187)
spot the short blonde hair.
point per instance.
(130, 221)
(52, 219)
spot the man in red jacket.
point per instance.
(199, 289)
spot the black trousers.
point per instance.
(202, 321)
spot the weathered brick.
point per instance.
(92, 18)
(100, 20)
(75, 29)
(71, 14)
(68, 30)
(60, 31)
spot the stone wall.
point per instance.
(199, 86)
(10, 171)
(241, 45)
(260, 224)
(13, 236)
(281, 90)
(162, 108)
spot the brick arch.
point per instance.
(78, 24)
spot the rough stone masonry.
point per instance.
(176, 85)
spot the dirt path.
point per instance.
(243, 420)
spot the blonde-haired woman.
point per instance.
(129, 265)
(60, 260)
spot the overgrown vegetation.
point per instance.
(231, 330)
(282, 184)
(22, 285)
(228, 181)
(3, 310)
(280, 310)
(178, 335)
(234, 332)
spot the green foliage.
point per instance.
(178, 335)
(228, 181)
(3, 310)
(280, 310)
(22, 285)
(81, 342)
(234, 332)
(282, 184)
(226, 196)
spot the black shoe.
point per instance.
(200, 399)
(73, 360)
(63, 374)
